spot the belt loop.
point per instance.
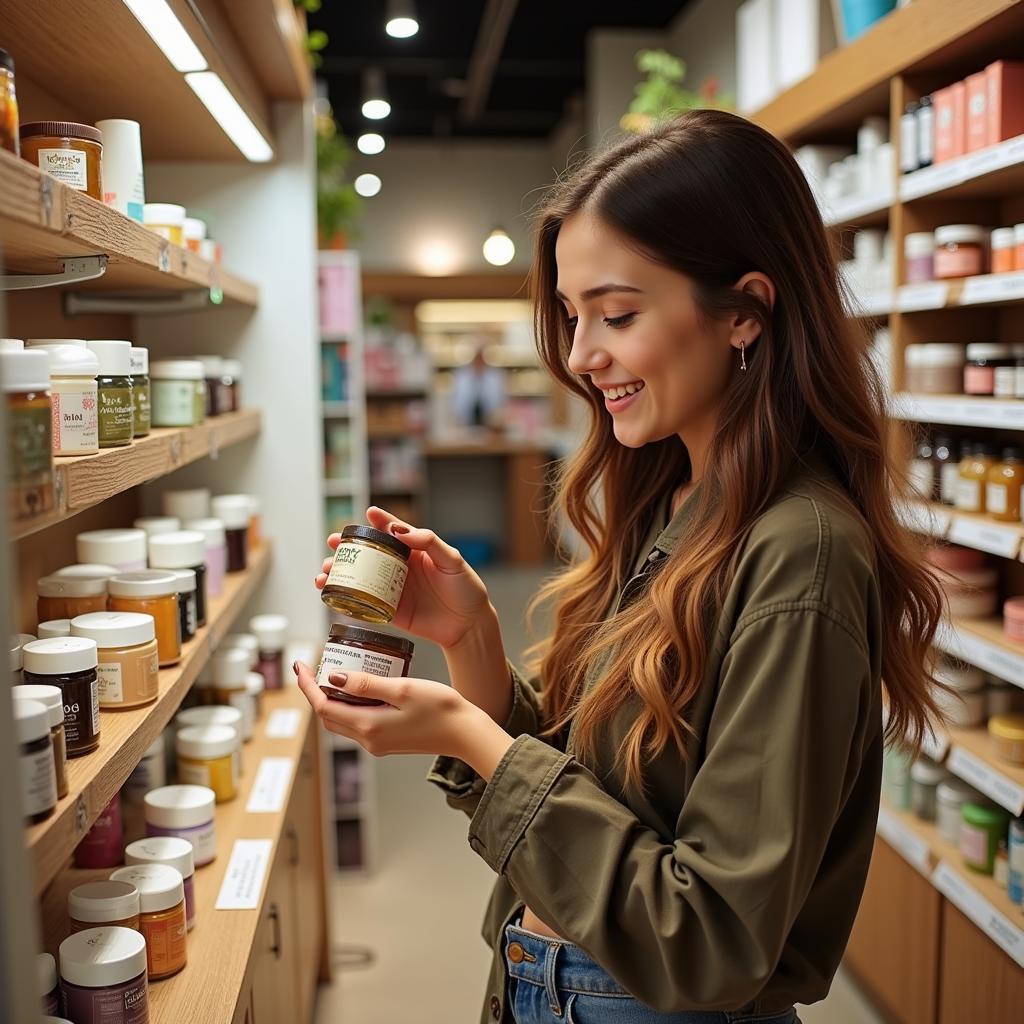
(549, 978)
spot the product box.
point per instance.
(950, 121)
(1005, 106)
(976, 136)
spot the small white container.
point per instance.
(125, 550)
(231, 667)
(74, 396)
(166, 219)
(53, 627)
(186, 812)
(155, 525)
(124, 186)
(950, 795)
(190, 504)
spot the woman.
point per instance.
(681, 804)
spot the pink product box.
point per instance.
(977, 112)
(950, 121)
(1004, 107)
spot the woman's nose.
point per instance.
(584, 358)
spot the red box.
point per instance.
(950, 121)
(976, 136)
(1005, 106)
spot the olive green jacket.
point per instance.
(733, 883)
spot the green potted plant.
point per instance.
(660, 94)
(337, 204)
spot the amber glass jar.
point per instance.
(154, 592)
(974, 469)
(368, 574)
(1002, 488)
(25, 380)
(8, 105)
(72, 153)
(357, 649)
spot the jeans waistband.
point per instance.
(540, 960)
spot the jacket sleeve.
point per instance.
(697, 921)
(461, 785)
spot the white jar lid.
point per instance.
(233, 510)
(271, 631)
(50, 697)
(36, 342)
(989, 350)
(182, 549)
(926, 772)
(919, 243)
(208, 714)
(18, 641)
(954, 791)
(969, 233)
(232, 368)
(170, 850)
(139, 361)
(176, 369)
(206, 741)
(60, 655)
(147, 583)
(54, 627)
(154, 525)
(186, 580)
(31, 720)
(24, 371)
(103, 902)
(87, 569)
(160, 887)
(179, 806)
(190, 504)
(12, 345)
(115, 357)
(1002, 238)
(107, 546)
(46, 970)
(1018, 233)
(71, 586)
(115, 629)
(212, 529)
(230, 668)
(245, 640)
(70, 360)
(211, 365)
(255, 684)
(103, 957)
(195, 229)
(937, 355)
(163, 213)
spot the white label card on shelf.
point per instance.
(243, 880)
(989, 780)
(270, 787)
(985, 536)
(929, 295)
(283, 723)
(966, 646)
(996, 925)
(911, 847)
(993, 288)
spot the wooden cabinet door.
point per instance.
(894, 948)
(978, 981)
(274, 989)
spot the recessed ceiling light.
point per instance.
(499, 249)
(368, 185)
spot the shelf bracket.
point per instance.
(76, 269)
(140, 304)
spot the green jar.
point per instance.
(114, 385)
(984, 824)
(140, 390)
(178, 391)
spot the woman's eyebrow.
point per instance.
(602, 289)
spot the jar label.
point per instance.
(81, 713)
(995, 499)
(974, 845)
(110, 683)
(38, 781)
(142, 411)
(117, 420)
(127, 1004)
(31, 444)
(341, 657)
(194, 773)
(75, 421)
(69, 166)
(968, 495)
(165, 940)
(359, 567)
(174, 403)
(950, 482)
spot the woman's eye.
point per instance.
(620, 321)
(571, 322)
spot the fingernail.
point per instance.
(395, 528)
(295, 667)
(339, 678)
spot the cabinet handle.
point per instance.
(275, 919)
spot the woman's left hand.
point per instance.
(419, 716)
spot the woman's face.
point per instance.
(636, 328)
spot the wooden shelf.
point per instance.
(993, 172)
(983, 290)
(978, 896)
(220, 946)
(272, 33)
(983, 643)
(862, 211)
(43, 221)
(86, 480)
(125, 736)
(959, 410)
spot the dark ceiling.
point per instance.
(538, 64)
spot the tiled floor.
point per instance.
(409, 934)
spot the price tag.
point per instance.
(243, 880)
(270, 787)
(283, 723)
(993, 288)
(999, 928)
(976, 533)
(928, 295)
(911, 847)
(988, 780)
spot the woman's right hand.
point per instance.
(443, 598)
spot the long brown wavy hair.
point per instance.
(714, 196)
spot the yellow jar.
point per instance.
(970, 494)
(162, 918)
(368, 574)
(1003, 484)
(1007, 733)
(206, 758)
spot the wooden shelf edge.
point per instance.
(54, 221)
(87, 480)
(95, 778)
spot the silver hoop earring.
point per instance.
(743, 356)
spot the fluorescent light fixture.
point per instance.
(401, 23)
(217, 98)
(499, 249)
(370, 143)
(168, 33)
(375, 102)
(368, 185)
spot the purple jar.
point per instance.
(187, 813)
(919, 257)
(271, 632)
(103, 977)
(216, 552)
(175, 853)
(101, 846)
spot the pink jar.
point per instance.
(955, 559)
(960, 250)
(919, 257)
(103, 845)
(1013, 618)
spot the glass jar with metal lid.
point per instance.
(358, 649)
(368, 574)
(70, 152)
(116, 398)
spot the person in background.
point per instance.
(478, 392)
(680, 803)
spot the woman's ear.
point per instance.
(745, 329)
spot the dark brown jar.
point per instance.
(35, 760)
(69, 663)
(358, 649)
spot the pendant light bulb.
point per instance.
(375, 101)
(370, 143)
(402, 22)
(499, 249)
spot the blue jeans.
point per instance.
(552, 982)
